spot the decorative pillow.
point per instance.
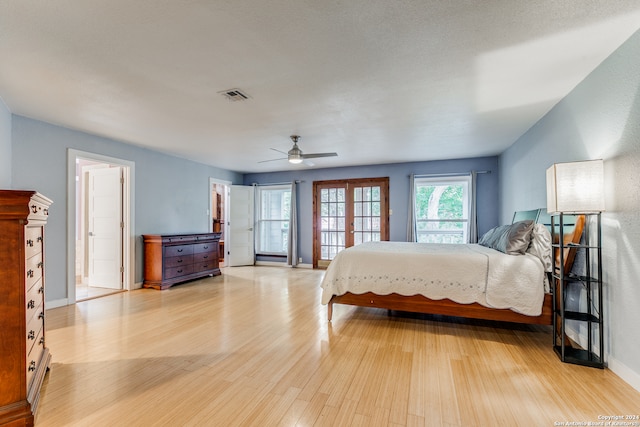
(511, 239)
(540, 245)
(490, 238)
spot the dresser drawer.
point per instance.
(204, 256)
(33, 270)
(38, 210)
(203, 266)
(178, 250)
(204, 247)
(35, 326)
(170, 273)
(34, 299)
(33, 241)
(178, 261)
(34, 356)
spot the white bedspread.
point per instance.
(461, 273)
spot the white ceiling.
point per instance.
(376, 81)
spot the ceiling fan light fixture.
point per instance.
(295, 155)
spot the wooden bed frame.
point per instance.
(424, 305)
(446, 307)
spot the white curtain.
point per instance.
(292, 249)
(411, 221)
(473, 217)
(256, 202)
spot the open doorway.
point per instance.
(99, 226)
(100, 218)
(219, 197)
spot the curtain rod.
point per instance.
(433, 175)
(276, 183)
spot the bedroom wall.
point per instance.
(398, 174)
(600, 118)
(5, 146)
(171, 194)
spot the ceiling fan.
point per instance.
(296, 156)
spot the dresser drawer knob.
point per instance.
(41, 341)
(179, 271)
(179, 260)
(30, 243)
(41, 290)
(40, 264)
(30, 273)
(31, 304)
(39, 239)
(32, 366)
(31, 335)
(41, 315)
(46, 211)
(34, 209)
(205, 257)
(180, 250)
(206, 247)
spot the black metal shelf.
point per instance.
(579, 357)
(576, 278)
(574, 245)
(591, 280)
(583, 317)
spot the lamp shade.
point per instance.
(576, 187)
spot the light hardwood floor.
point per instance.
(253, 347)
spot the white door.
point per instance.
(105, 227)
(240, 240)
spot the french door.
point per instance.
(347, 213)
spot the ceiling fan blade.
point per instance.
(308, 162)
(281, 152)
(272, 160)
(316, 155)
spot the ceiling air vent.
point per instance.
(234, 95)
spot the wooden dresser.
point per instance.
(176, 258)
(24, 358)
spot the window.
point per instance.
(273, 219)
(442, 209)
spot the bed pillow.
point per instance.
(511, 239)
(540, 245)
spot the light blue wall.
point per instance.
(600, 118)
(171, 194)
(5, 146)
(398, 174)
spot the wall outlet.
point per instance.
(300, 259)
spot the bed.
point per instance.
(472, 281)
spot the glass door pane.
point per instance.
(332, 222)
(366, 214)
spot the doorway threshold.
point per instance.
(85, 293)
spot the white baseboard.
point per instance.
(623, 371)
(627, 374)
(57, 303)
(280, 264)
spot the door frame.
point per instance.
(356, 182)
(128, 218)
(225, 233)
